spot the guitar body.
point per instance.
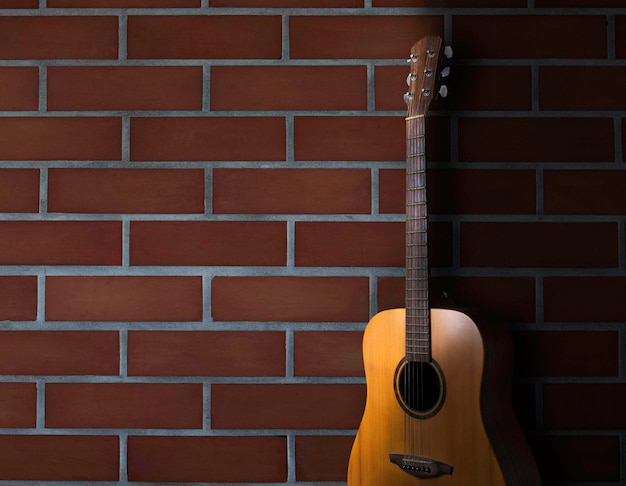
(474, 430)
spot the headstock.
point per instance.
(424, 76)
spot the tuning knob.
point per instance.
(445, 72)
(447, 51)
(443, 91)
(406, 98)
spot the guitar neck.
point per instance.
(418, 341)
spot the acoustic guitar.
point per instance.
(438, 408)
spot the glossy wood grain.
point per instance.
(460, 433)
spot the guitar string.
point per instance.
(417, 286)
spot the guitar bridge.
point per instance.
(420, 467)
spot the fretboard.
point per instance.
(417, 341)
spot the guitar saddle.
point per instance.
(419, 466)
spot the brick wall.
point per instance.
(202, 205)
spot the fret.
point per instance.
(419, 344)
(417, 336)
(418, 347)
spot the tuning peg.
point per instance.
(445, 72)
(406, 98)
(443, 91)
(447, 51)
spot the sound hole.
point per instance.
(420, 388)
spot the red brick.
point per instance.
(579, 3)
(19, 3)
(60, 138)
(291, 191)
(463, 191)
(598, 405)
(354, 37)
(322, 457)
(362, 138)
(205, 37)
(153, 191)
(18, 405)
(125, 88)
(349, 138)
(582, 88)
(297, 406)
(367, 244)
(18, 298)
(19, 190)
(562, 353)
(539, 245)
(603, 192)
(289, 88)
(488, 88)
(577, 457)
(525, 405)
(449, 3)
(288, 3)
(584, 299)
(19, 88)
(59, 353)
(214, 353)
(328, 353)
(58, 37)
(208, 138)
(440, 244)
(124, 405)
(469, 88)
(364, 244)
(437, 139)
(207, 459)
(511, 298)
(60, 243)
(530, 36)
(350, 244)
(123, 3)
(302, 299)
(536, 140)
(59, 457)
(124, 298)
(208, 243)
